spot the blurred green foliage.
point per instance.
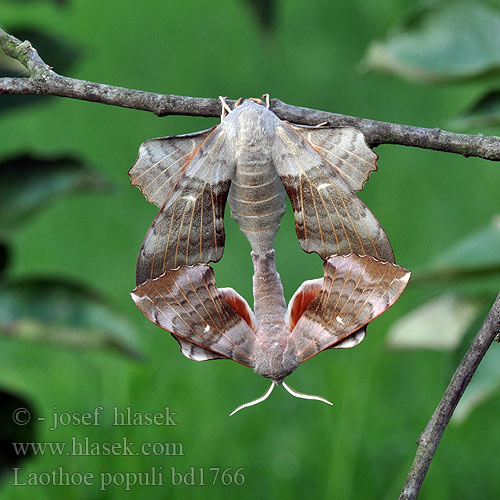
(361, 447)
(483, 113)
(469, 272)
(442, 41)
(29, 183)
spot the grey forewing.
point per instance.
(189, 228)
(345, 149)
(329, 217)
(162, 162)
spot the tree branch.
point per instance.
(44, 81)
(429, 439)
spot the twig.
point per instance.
(429, 439)
(44, 81)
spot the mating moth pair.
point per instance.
(253, 160)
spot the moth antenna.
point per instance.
(225, 108)
(255, 401)
(305, 396)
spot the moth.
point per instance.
(254, 160)
(217, 323)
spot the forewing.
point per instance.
(329, 217)
(356, 289)
(345, 149)
(186, 302)
(189, 228)
(162, 162)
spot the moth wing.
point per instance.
(345, 150)
(187, 303)
(195, 352)
(351, 341)
(301, 300)
(355, 290)
(189, 228)
(162, 162)
(329, 217)
(240, 305)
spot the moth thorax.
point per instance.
(256, 131)
(253, 153)
(275, 358)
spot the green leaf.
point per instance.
(443, 42)
(439, 324)
(63, 313)
(28, 183)
(484, 113)
(484, 384)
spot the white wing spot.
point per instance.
(323, 186)
(339, 320)
(404, 279)
(207, 328)
(189, 197)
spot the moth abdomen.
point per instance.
(257, 199)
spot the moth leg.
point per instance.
(238, 102)
(322, 124)
(225, 108)
(266, 98)
(256, 99)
